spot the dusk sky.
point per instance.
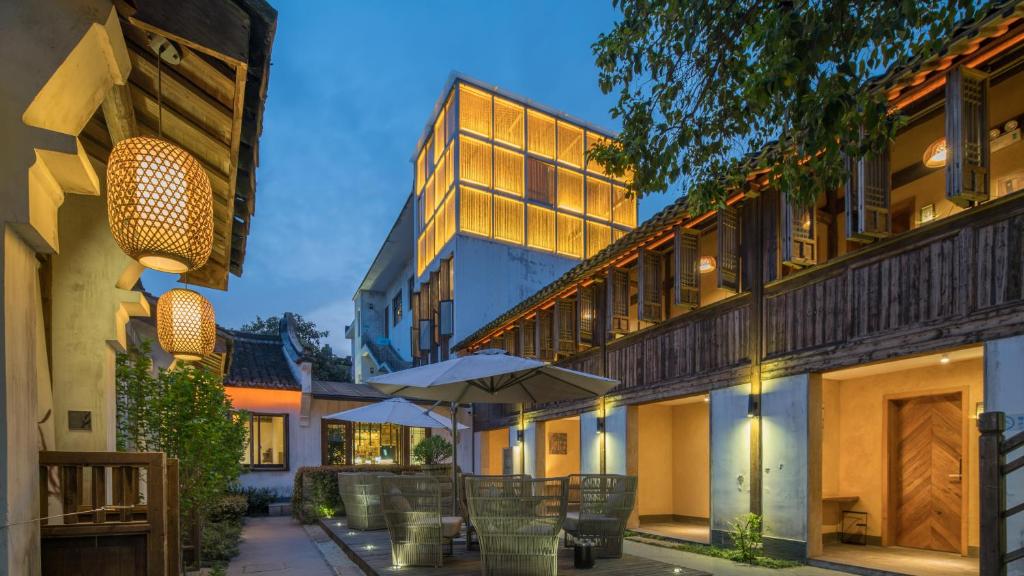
(352, 86)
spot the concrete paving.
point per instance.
(716, 566)
(280, 546)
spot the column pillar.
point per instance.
(730, 460)
(1004, 365)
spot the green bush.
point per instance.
(746, 538)
(230, 507)
(258, 499)
(323, 499)
(432, 450)
(220, 541)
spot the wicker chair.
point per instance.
(360, 492)
(472, 543)
(517, 521)
(412, 511)
(606, 501)
(574, 492)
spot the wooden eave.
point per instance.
(998, 30)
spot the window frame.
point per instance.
(396, 308)
(251, 444)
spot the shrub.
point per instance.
(322, 498)
(230, 507)
(432, 450)
(746, 537)
(258, 499)
(220, 541)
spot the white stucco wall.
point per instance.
(616, 440)
(730, 456)
(1004, 391)
(590, 444)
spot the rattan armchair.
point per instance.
(360, 492)
(517, 521)
(412, 512)
(605, 503)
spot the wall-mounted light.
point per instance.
(520, 435)
(707, 398)
(707, 264)
(935, 154)
(944, 359)
(979, 409)
(600, 425)
(753, 406)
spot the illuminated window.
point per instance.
(508, 122)
(540, 227)
(591, 140)
(428, 242)
(599, 199)
(570, 144)
(416, 435)
(335, 449)
(439, 189)
(540, 181)
(421, 176)
(449, 217)
(475, 111)
(421, 254)
(616, 234)
(540, 129)
(376, 443)
(570, 235)
(508, 219)
(439, 139)
(440, 225)
(570, 190)
(268, 441)
(623, 207)
(598, 236)
(449, 117)
(449, 176)
(475, 161)
(428, 198)
(508, 171)
(475, 211)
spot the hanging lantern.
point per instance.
(935, 154)
(185, 324)
(159, 204)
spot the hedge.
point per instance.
(315, 493)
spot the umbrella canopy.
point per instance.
(491, 376)
(394, 411)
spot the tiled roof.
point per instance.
(346, 390)
(258, 361)
(964, 40)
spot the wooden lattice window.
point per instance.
(728, 255)
(475, 210)
(686, 253)
(439, 188)
(540, 134)
(449, 174)
(648, 276)
(623, 207)
(599, 199)
(449, 217)
(474, 161)
(540, 225)
(570, 236)
(474, 111)
(449, 116)
(593, 139)
(967, 139)
(439, 136)
(445, 278)
(421, 253)
(867, 198)
(414, 343)
(540, 182)
(588, 314)
(616, 234)
(508, 220)
(421, 171)
(508, 122)
(428, 242)
(570, 144)
(428, 199)
(799, 240)
(528, 335)
(598, 237)
(565, 326)
(570, 191)
(508, 171)
(440, 225)
(545, 319)
(617, 301)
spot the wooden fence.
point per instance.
(992, 457)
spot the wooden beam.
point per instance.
(119, 113)
(220, 29)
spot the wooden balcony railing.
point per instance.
(109, 513)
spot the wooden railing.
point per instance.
(116, 512)
(994, 449)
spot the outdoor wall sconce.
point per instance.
(935, 154)
(520, 435)
(979, 409)
(159, 199)
(707, 264)
(185, 324)
(753, 406)
(600, 425)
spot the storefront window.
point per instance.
(267, 436)
(376, 443)
(335, 442)
(416, 435)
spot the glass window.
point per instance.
(599, 198)
(541, 228)
(598, 236)
(475, 111)
(616, 234)
(570, 144)
(421, 170)
(335, 448)
(624, 207)
(449, 173)
(508, 219)
(376, 443)
(396, 307)
(508, 122)
(438, 181)
(540, 182)
(475, 211)
(428, 242)
(591, 165)
(440, 225)
(268, 441)
(428, 199)
(439, 136)
(508, 171)
(570, 191)
(449, 217)
(475, 161)
(421, 254)
(416, 435)
(540, 134)
(570, 235)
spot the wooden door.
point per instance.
(927, 488)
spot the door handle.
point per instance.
(955, 477)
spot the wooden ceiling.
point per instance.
(212, 105)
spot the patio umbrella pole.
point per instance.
(522, 445)
(455, 459)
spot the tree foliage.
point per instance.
(432, 450)
(705, 86)
(326, 364)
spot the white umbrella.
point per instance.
(394, 411)
(491, 376)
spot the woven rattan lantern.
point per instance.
(185, 324)
(159, 204)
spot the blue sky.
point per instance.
(352, 85)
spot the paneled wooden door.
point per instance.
(926, 474)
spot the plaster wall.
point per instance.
(568, 463)
(691, 460)
(617, 457)
(730, 457)
(853, 427)
(491, 444)
(1004, 365)
(590, 444)
(655, 444)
